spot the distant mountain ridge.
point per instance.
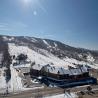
(46, 47)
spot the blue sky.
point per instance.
(74, 22)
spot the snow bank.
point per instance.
(2, 82)
(66, 95)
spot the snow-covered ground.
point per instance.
(66, 95)
(16, 81)
(15, 84)
(3, 84)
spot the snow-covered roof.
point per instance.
(57, 70)
(84, 69)
(24, 69)
(61, 70)
(22, 65)
(37, 66)
(75, 71)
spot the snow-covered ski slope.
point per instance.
(35, 56)
(41, 59)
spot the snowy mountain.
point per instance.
(44, 51)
